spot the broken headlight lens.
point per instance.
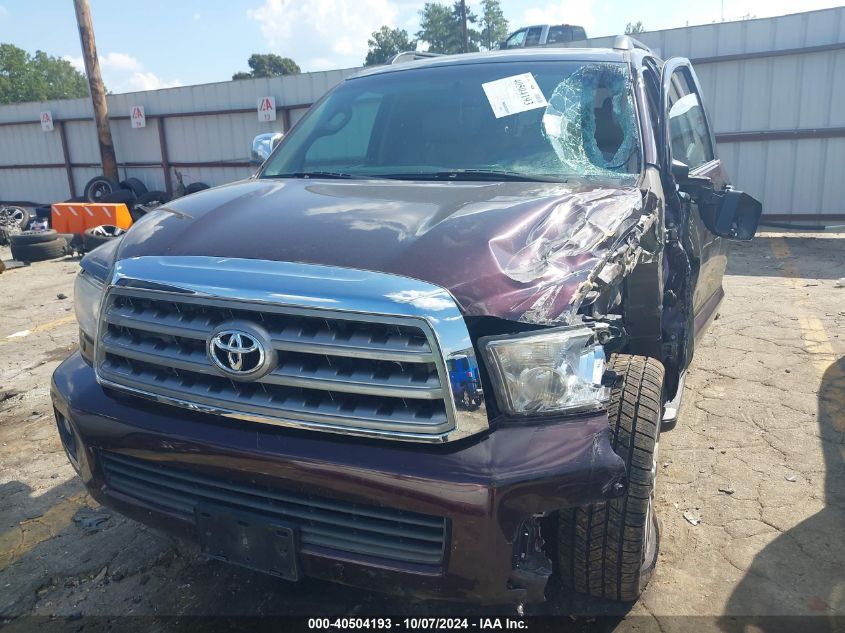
(553, 371)
(87, 295)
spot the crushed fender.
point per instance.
(573, 249)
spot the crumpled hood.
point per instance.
(514, 250)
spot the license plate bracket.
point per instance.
(248, 540)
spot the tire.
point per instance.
(609, 550)
(135, 186)
(74, 241)
(98, 187)
(194, 187)
(92, 238)
(33, 237)
(121, 195)
(153, 198)
(39, 252)
(17, 216)
(43, 212)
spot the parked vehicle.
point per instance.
(465, 382)
(266, 367)
(544, 35)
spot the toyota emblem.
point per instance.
(239, 353)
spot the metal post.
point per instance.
(66, 154)
(98, 91)
(165, 157)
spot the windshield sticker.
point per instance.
(515, 94)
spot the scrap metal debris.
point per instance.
(727, 489)
(791, 478)
(692, 517)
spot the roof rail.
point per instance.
(409, 56)
(628, 43)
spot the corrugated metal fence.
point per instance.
(202, 131)
(774, 88)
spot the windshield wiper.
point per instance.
(474, 174)
(313, 174)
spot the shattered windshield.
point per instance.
(532, 120)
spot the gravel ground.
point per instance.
(751, 487)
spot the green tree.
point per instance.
(440, 27)
(494, 26)
(268, 65)
(387, 42)
(39, 77)
(632, 28)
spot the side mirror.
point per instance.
(731, 214)
(680, 170)
(263, 145)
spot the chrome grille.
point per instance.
(350, 351)
(334, 369)
(323, 523)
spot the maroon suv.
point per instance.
(265, 366)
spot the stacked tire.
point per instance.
(38, 246)
(99, 235)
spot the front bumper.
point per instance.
(485, 487)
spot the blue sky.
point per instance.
(155, 43)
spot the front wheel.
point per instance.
(609, 549)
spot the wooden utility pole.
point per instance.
(98, 91)
(464, 38)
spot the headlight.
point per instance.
(87, 294)
(553, 371)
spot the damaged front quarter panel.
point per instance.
(576, 251)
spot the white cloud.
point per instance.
(124, 73)
(120, 62)
(76, 62)
(322, 34)
(144, 81)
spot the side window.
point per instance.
(533, 37)
(516, 40)
(651, 77)
(352, 140)
(578, 33)
(688, 133)
(558, 34)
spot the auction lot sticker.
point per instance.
(512, 95)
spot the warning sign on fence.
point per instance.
(267, 109)
(47, 121)
(139, 119)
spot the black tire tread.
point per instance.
(91, 241)
(600, 546)
(33, 237)
(134, 185)
(39, 252)
(88, 194)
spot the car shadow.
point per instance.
(801, 573)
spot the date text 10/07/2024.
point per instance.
(413, 624)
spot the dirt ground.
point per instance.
(751, 488)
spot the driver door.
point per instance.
(687, 138)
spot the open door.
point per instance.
(688, 148)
